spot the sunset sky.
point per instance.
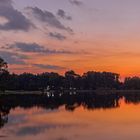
(60, 35)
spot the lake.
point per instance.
(70, 117)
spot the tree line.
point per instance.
(90, 80)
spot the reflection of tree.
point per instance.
(135, 98)
(4, 111)
(71, 101)
(110, 101)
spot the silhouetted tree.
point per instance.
(4, 74)
(71, 79)
(3, 65)
(132, 83)
(90, 81)
(100, 80)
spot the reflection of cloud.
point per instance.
(13, 58)
(57, 36)
(49, 18)
(3, 136)
(61, 138)
(35, 130)
(31, 130)
(51, 67)
(15, 19)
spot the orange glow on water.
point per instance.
(78, 125)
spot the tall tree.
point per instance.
(4, 74)
(3, 65)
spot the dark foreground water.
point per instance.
(70, 117)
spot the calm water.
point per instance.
(70, 118)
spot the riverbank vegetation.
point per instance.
(90, 80)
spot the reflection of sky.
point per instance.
(110, 124)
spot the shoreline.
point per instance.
(98, 92)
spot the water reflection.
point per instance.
(4, 111)
(70, 101)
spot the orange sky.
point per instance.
(89, 35)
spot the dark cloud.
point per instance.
(25, 47)
(6, 2)
(61, 13)
(15, 19)
(76, 2)
(13, 58)
(50, 67)
(35, 48)
(49, 18)
(57, 36)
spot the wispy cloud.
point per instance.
(49, 67)
(13, 58)
(61, 13)
(57, 36)
(35, 48)
(15, 19)
(49, 18)
(76, 2)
